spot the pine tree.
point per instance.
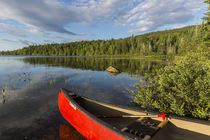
(207, 24)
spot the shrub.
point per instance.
(182, 88)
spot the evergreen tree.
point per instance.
(207, 25)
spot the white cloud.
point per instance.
(72, 40)
(12, 29)
(26, 42)
(9, 40)
(150, 15)
(49, 15)
(42, 17)
(53, 15)
(176, 26)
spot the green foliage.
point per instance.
(3, 90)
(171, 42)
(181, 88)
(206, 26)
(207, 14)
(53, 82)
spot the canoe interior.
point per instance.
(170, 131)
(135, 128)
(98, 110)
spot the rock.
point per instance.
(112, 69)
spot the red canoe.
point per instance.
(96, 120)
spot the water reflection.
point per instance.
(28, 108)
(67, 132)
(112, 73)
(130, 66)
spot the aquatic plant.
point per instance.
(52, 82)
(3, 90)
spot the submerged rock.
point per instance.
(112, 73)
(112, 69)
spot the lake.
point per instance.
(30, 86)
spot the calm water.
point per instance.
(28, 108)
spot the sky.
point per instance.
(28, 22)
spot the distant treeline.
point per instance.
(176, 41)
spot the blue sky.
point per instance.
(27, 22)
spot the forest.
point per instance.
(170, 42)
(181, 88)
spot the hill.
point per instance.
(170, 42)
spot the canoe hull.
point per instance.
(86, 125)
(78, 112)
